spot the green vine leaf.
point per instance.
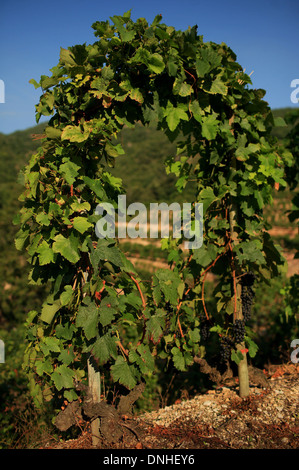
(50, 344)
(49, 311)
(174, 115)
(46, 254)
(218, 86)
(63, 377)
(66, 248)
(67, 356)
(104, 348)
(209, 127)
(250, 251)
(252, 346)
(67, 295)
(87, 319)
(167, 283)
(43, 367)
(155, 325)
(69, 171)
(236, 356)
(75, 134)
(143, 358)
(106, 251)
(181, 361)
(125, 34)
(81, 224)
(123, 373)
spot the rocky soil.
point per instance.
(218, 419)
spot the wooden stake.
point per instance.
(94, 383)
(242, 367)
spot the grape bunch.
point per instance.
(204, 327)
(225, 349)
(247, 295)
(248, 279)
(239, 331)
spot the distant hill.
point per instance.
(15, 149)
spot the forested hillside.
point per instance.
(16, 298)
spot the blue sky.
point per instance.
(263, 34)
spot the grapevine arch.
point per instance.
(199, 96)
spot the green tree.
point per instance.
(199, 96)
